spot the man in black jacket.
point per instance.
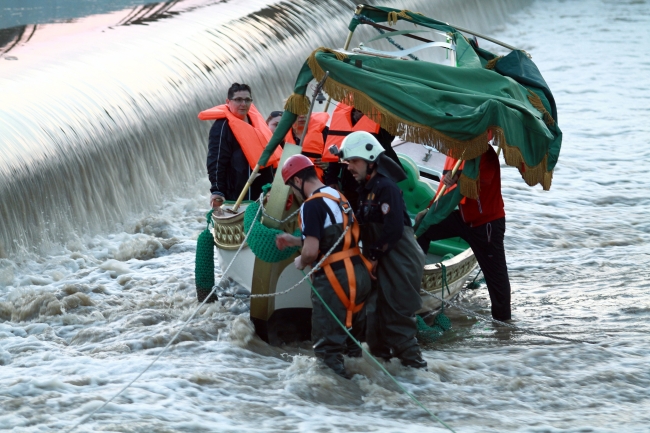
(227, 164)
(388, 242)
(337, 172)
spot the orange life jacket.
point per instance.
(341, 126)
(252, 137)
(349, 249)
(312, 145)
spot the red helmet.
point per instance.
(293, 165)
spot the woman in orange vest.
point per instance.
(346, 120)
(237, 139)
(314, 144)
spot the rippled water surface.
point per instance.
(81, 320)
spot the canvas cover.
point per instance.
(450, 108)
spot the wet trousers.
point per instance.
(486, 242)
(331, 342)
(391, 324)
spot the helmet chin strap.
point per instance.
(369, 170)
(301, 190)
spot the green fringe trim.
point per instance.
(469, 187)
(538, 174)
(536, 102)
(297, 104)
(492, 63)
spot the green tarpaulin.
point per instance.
(453, 109)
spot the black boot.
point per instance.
(352, 349)
(335, 362)
(412, 357)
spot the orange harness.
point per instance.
(348, 251)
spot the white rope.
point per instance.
(87, 417)
(314, 269)
(281, 221)
(214, 288)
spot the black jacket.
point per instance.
(228, 169)
(337, 171)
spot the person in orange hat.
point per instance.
(343, 281)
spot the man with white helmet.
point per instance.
(389, 243)
(343, 281)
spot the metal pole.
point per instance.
(311, 106)
(482, 36)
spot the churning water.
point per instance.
(102, 196)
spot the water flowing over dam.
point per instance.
(103, 193)
(101, 123)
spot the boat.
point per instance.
(287, 318)
(455, 128)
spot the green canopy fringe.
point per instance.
(297, 104)
(469, 187)
(538, 174)
(536, 102)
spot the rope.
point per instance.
(265, 215)
(314, 269)
(87, 417)
(375, 359)
(473, 284)
(214, 288)
(498, 322)
(389, 39)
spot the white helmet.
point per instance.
(361, 144)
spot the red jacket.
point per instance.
(489, 205)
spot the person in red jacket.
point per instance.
(482, 224)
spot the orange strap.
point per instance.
(346, 256)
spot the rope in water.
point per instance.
(87, 417)
(498, 322)
(377, 361)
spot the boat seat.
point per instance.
(416, 192)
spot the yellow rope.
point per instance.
(392, 18)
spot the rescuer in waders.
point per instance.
(343, 281)
(346, 120)
(482, 224)
(389, 243)
(237, 139)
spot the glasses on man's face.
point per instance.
(242, 100)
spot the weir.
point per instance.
(99, 125)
